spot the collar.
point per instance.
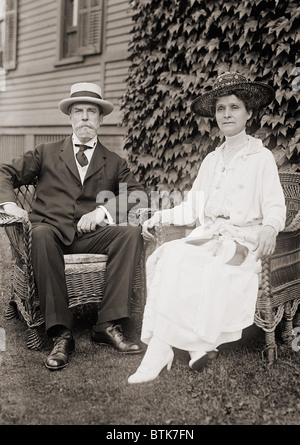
(91, 143)
(254, 146)
(236, 141)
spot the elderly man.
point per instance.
(82, 203)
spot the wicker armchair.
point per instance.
(279, 294)
(85, 276)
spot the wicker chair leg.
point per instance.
(132, 327)
(11, 311)
(34, 341)
(287, 324)
(270, 351)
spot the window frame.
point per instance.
(62, 58)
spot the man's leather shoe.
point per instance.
(113, 336)
(64, 344)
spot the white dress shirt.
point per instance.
(88, 153)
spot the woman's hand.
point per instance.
(153, 221)
(266, 242)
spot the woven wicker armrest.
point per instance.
(18, 231)
(7, 219)
(290, 182)
(293, 223)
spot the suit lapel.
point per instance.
(67, 156)
(97, 161)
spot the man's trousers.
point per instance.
(122, 244)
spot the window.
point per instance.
(8, 34)
(81, 28)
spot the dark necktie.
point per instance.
(80, 156)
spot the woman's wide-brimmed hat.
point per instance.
(261, 94)
(85, 92)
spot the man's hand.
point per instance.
(90, 221)
(13, 210)
(153, 221)
(266, 242)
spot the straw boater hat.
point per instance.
(85, 92)
(261, 94)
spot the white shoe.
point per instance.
(150, 368)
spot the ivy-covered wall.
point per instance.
(177, 50)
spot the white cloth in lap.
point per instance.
(193, 296)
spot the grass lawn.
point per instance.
(235, 389)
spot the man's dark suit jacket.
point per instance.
(61, 199)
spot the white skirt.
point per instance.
(195, 298)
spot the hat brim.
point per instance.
(261, 96)
(64, 105)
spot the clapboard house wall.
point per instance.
(42, 76)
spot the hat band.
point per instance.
(86, 93)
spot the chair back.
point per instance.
(290, 182)
(25, 195)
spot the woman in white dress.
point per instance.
(202, 289)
